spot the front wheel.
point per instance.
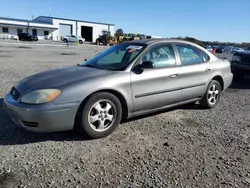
(212, 95)
(100, 116)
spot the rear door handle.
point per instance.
(174, 75)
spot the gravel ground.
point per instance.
(182, 147)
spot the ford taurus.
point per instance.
(123, 81)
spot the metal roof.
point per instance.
(14, 19)
(73, 20)
(23, 20)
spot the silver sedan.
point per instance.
(126, 80)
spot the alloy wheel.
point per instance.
(213, 94)
(101, 115)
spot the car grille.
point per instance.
(15, 93)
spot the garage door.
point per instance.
(65, 29)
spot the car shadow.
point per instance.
(10, 134)
(244, 84)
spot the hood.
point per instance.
(58, 77)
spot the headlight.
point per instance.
(40, 96)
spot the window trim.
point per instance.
(45, 31)
(139, 60)
(21, 29)
(179, 59)
(5, 28)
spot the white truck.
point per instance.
(73, 38)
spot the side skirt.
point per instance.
(144, 112)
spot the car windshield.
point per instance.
(117, 57)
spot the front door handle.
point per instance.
(173, 75)
(207, 70)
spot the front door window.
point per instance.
(161, 55)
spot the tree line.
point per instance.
(119, 32)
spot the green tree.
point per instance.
(119, 32)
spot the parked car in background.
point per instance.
(247, 49)
(228, 49)
(238, 49)
(126, 80)
(27, 37)
(232, 49)
(219, 49)
(240, 64)
(73, 38)
(209, 48)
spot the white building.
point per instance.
(53, 28)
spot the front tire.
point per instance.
(100, 115)
(212, 95)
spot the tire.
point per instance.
(65, 40)
(80, 42)
(212, 95)
(105, 118)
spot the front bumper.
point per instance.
(41, 118)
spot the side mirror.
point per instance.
(147, 65)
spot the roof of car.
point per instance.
(246, 52)
(157, 40)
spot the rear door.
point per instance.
(195, 71)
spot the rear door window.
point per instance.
(190, 55)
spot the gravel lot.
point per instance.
(182, 147)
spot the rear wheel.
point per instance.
(100, 116)
(212, 95)
(80, 42)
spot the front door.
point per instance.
(72, 38)
(195, 71)
(159, 86)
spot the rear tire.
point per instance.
(212, 95)
(80, 42)
(100, 116)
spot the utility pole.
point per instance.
(50, 11)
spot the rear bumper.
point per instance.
(228, 81)
(41, 118)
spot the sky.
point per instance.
(211, 20)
